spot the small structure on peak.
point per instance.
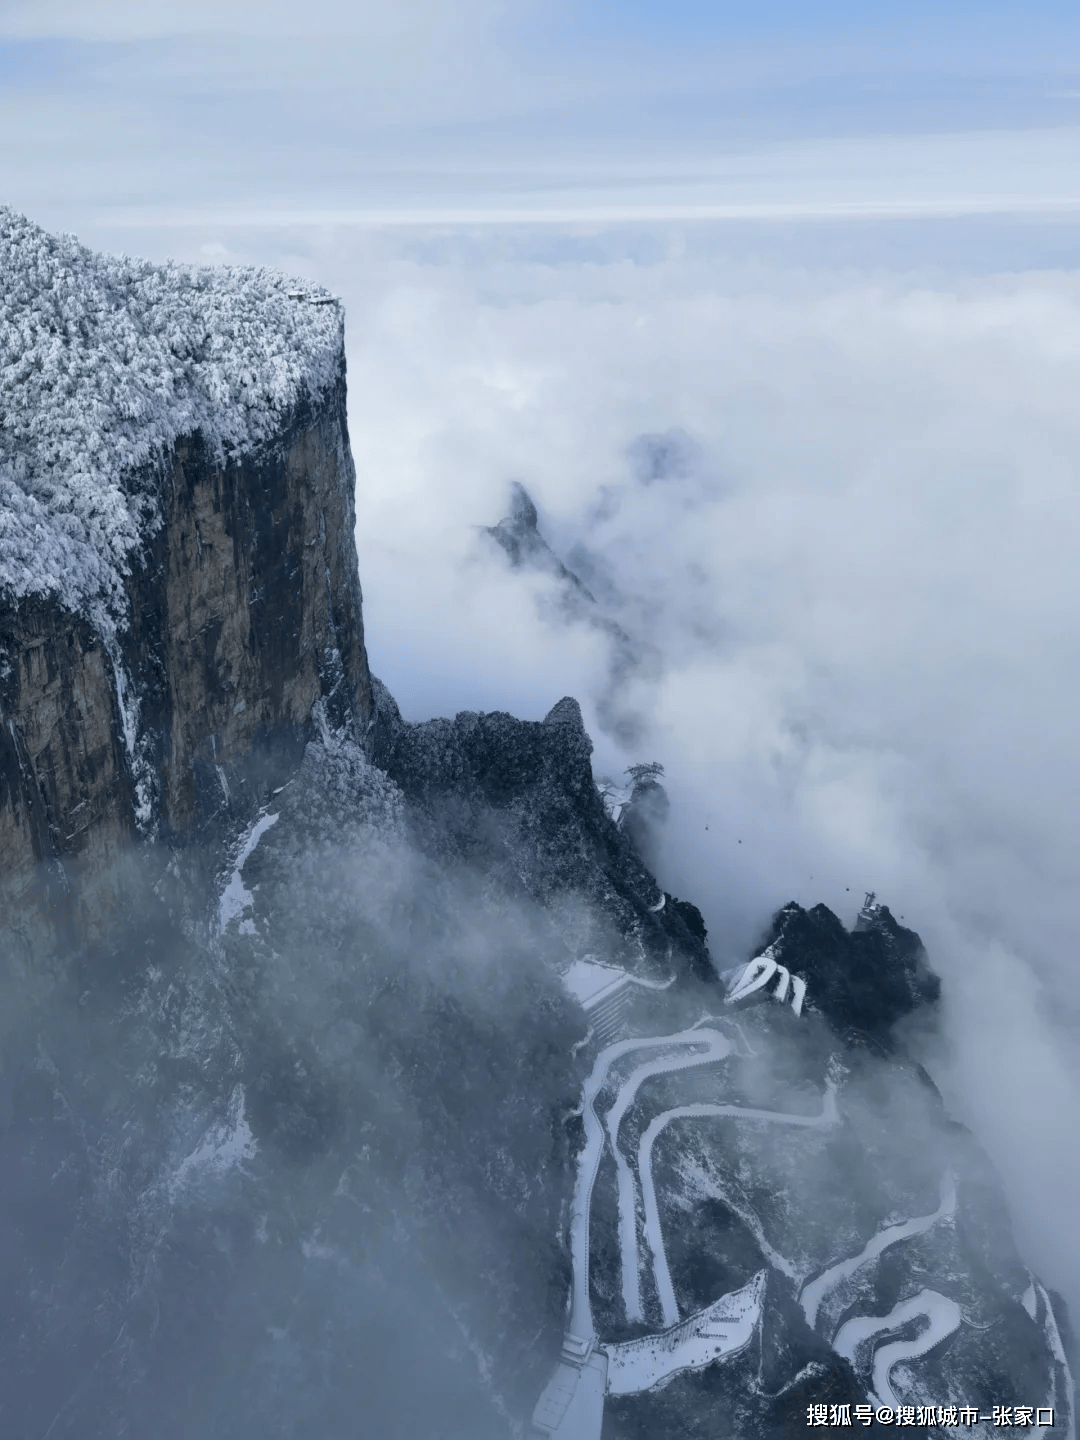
(870, 906)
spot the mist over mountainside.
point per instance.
(368, 1081)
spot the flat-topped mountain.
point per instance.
(179, 598)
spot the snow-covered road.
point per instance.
(942, 1315)
(571, 1405)
(815, 1291)
(760, 973)
(653, 1230)
(581, 1318)
(714, 1047)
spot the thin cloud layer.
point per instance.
(123, 20)
(560, 111)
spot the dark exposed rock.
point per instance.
(864, 979)
(516, 801)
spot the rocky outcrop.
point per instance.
(570, 601)
(862, 980)
(516, 801)
(172, 631)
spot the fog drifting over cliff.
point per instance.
(846, 542)
(854, 552)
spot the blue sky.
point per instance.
(606, 107)
(965, 20)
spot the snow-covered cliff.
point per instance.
(179, 598)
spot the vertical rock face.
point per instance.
(256, 582)
(179, 597)
(65, 789)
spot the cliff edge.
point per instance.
(180, 605)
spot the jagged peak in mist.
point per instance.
(519, 536)
(863, 979)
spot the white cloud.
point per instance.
(865, 592)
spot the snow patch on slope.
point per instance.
(723, 1328)
(224, 1146)
(235, 899)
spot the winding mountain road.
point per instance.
(717, 1047)
(815, 1291)
(571, 1406)
(653, 1230)
(942, 1315)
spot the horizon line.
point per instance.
(771, 212)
